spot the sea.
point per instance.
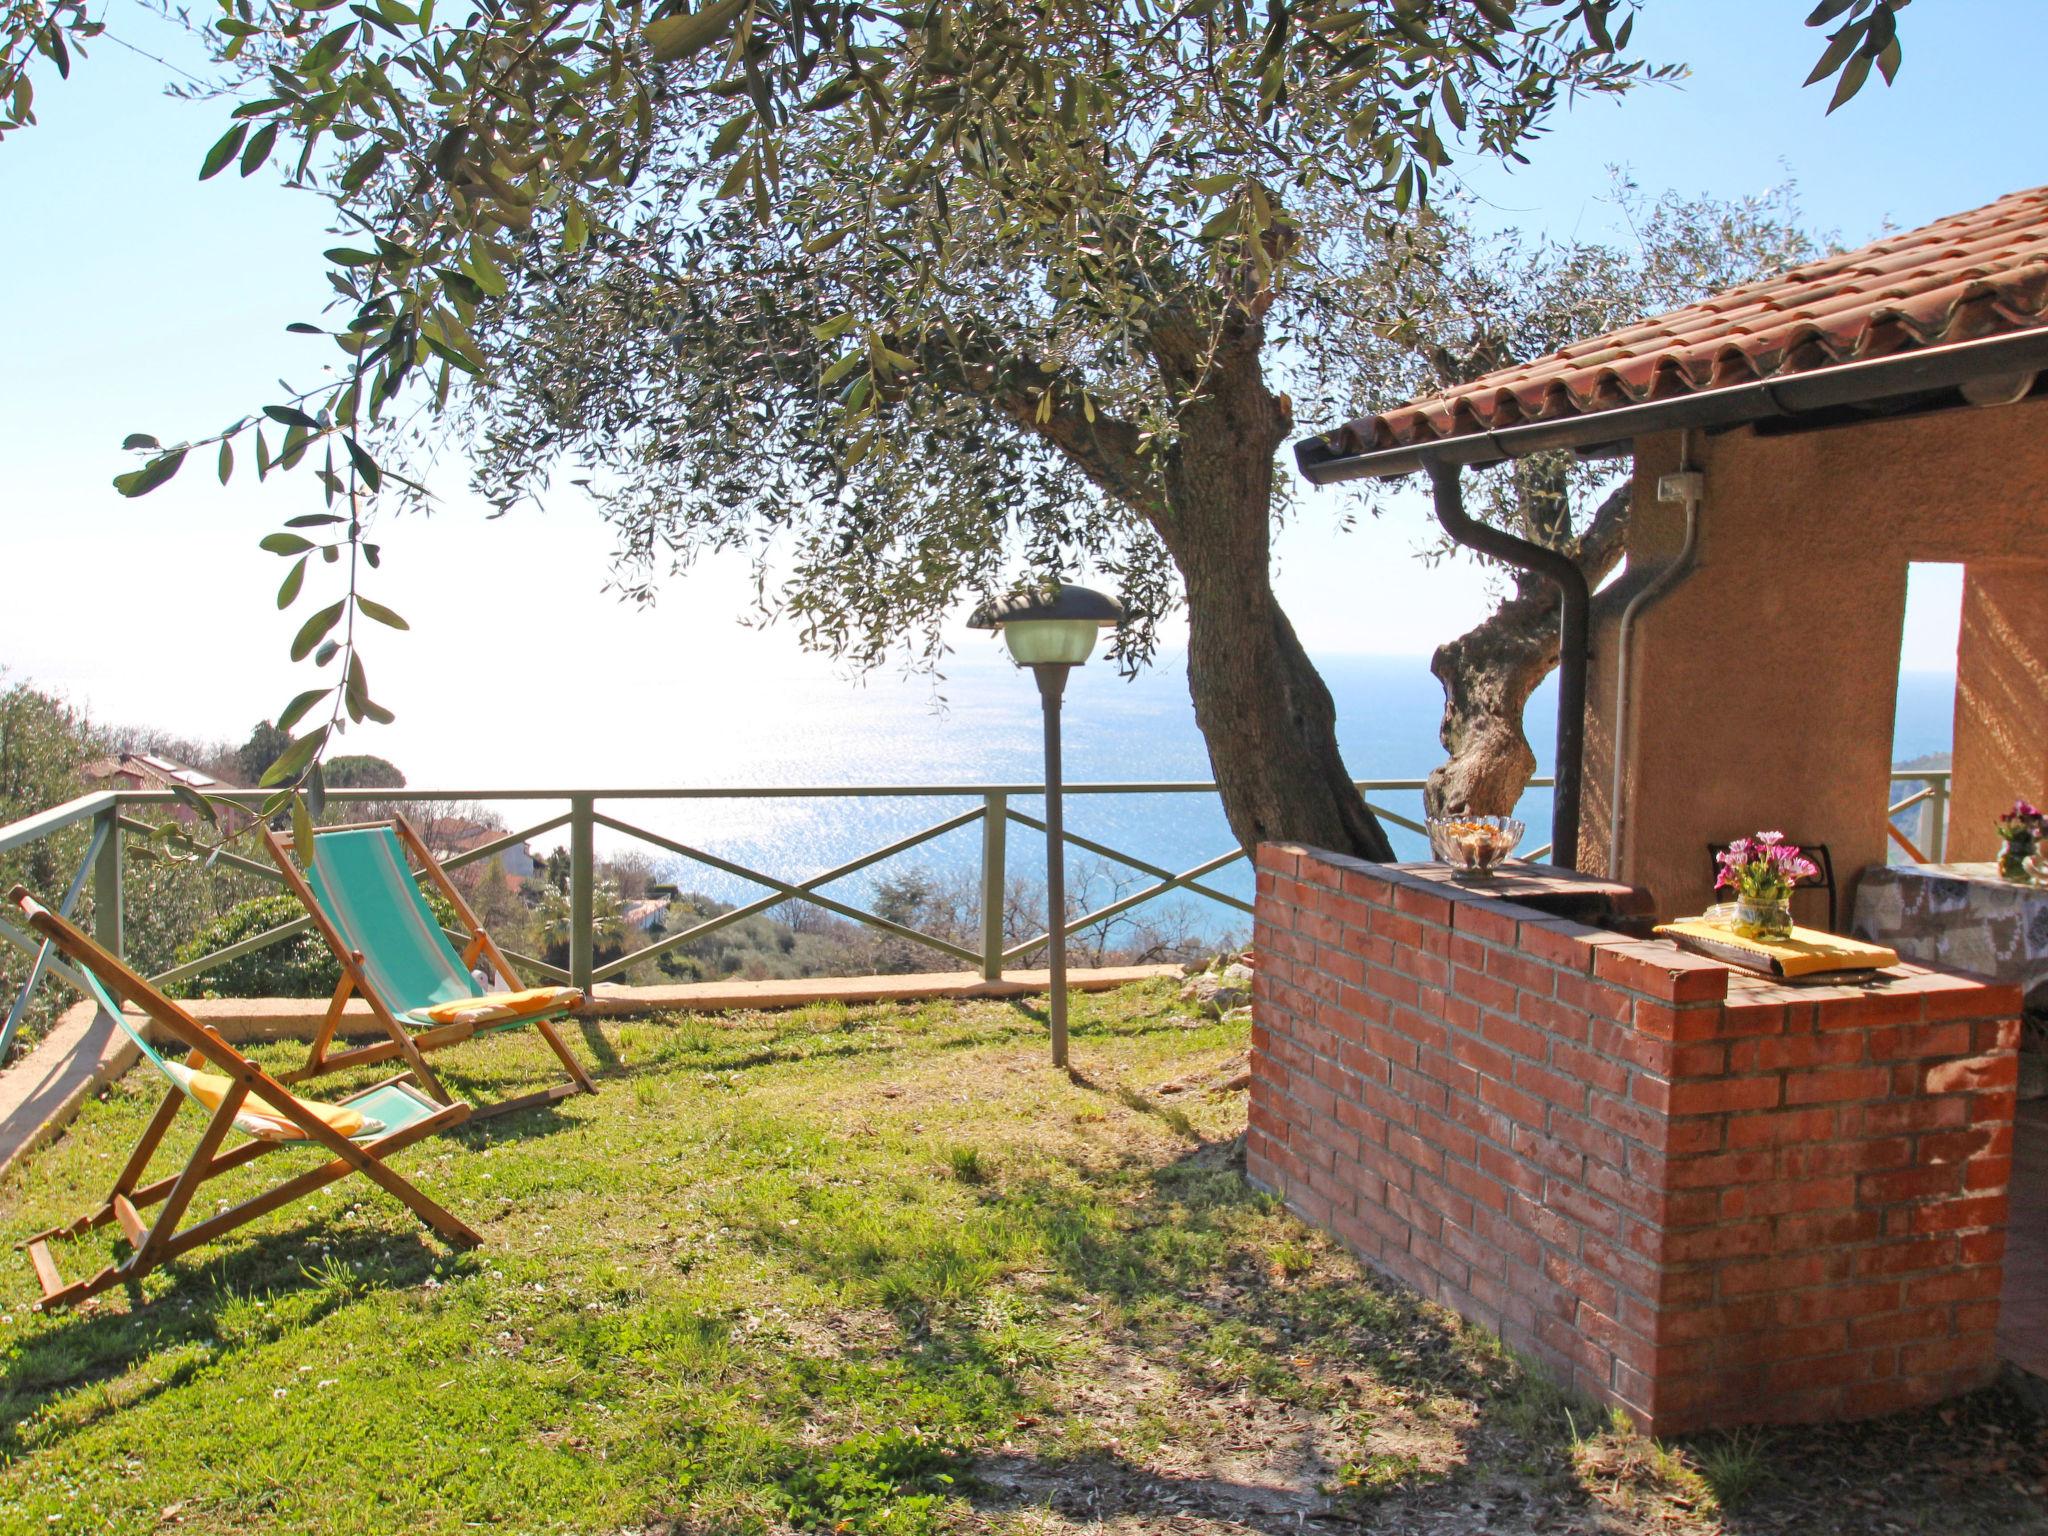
(980, 725)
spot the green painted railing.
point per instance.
(113, 813)
(109, 815)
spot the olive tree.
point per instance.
(1459, 303)
(901, 298)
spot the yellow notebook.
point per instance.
(1808, 952)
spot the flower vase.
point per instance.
(1757, 918)
(2014, 859)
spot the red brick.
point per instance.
(1589, 1067)
(1510, 1171)
(1846, 1157)
(1782, 1128)
(1996, 1035)
(1907, 1184)
(1496, 922)
(1522, 972)
(1721, 1170)
(1723, 1095)
(1906, 1041)
(1960, 1215)
(1560, 941)
(1663, 971)
(1429, 906)
(1828, 1229)
(1513, 1035)
(1788, 1197)
(1631, 1120)
(1560, 1020)
(1957, 1285)
(1772, 1053)
(1860, 1300)
(1742, 1239)
(1983, 1247)
(1949, 1354)
(1973, 1073)
(1593, 1140)
(1747, 1018)
(1556, 1087)
(1476, 1186)
(1595, 998)
(1511, 1101)
(1668, 1021)
(1754, 1276)
(1917, 1114)
(1486, 991)
(1836, 1085)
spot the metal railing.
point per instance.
(1929, 845)
(112, 813)
(109, 815)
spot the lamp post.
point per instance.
(1052, 631)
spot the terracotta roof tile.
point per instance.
(1962, 278)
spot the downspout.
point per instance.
(1576, 602)
(1691, 488)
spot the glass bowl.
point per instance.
(1473, 845)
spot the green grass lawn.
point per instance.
(861, 1270)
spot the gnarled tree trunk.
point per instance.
(1265, 712)
(1489, 672)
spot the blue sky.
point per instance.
(135, 299)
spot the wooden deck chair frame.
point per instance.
(414, 1042)
(155, 1241)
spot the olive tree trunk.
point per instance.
(1489, 672)
(1266, 715)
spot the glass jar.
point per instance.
(2015, 859)
(1764, 919)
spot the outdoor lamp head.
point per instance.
(1050, 626)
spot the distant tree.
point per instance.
(555, 869)
(265, 746)
(359, 770)
(607, 923)
(498, 906)
(44, 741)
(634, 871)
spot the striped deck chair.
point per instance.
(359, 1132)
(367, 904)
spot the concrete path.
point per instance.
(42, 1092)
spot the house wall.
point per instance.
(1763, 686)
(2001, 731)
(1685, 1192)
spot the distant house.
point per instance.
(143, 770)
(648, 913)
(457, 835)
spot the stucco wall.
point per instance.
(2001, 735)
(1763, 687)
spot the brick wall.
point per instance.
(1684, 1190)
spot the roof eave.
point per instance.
(1790, 394)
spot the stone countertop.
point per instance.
(1961, 916)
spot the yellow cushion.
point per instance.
(1808, 952)
(496, 1007)
(262, 1120)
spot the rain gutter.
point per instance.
(1790, 395)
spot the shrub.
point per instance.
(300, 966)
